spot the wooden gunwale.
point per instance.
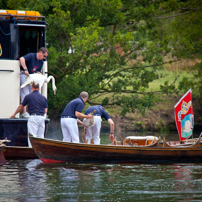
(63, 151)
(196, 143)
(19, 152)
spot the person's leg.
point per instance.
(74, 131)
(41, 126)
(32, 128)
(96, 130)
(24, 91)
(65, 130)
(89, 135)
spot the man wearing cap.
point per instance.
(69, 118)
(37, 107)
(95, 129)
(30, 64)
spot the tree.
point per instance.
(110, 48)
(187, 42)
(107, 38)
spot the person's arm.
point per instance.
(46, 110)
(19, 109)
(23, 64)
(81, 123)
(80, 115)
(111, 136)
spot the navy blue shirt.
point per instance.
(33, 65)
(99, 111)
(36, 103)
(73, 106)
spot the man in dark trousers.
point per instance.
(69, 118)
(37, 108)
(30, 64)
(95, 129)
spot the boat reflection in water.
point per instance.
(32, 180)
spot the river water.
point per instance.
(32, 180)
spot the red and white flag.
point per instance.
(184, 116)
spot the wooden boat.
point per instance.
(53, 151)
(2, 146)
(17, 152)
(16, 131)
(2, 158)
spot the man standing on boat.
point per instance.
(95, 129)
(30, 64)
(37, 107)
(69, 118)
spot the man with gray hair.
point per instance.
(69, 118)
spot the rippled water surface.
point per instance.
(32, 180)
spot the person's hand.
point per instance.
(85, 126)
(111, 137)
(26, 73)
(90, 116)
(12, 116)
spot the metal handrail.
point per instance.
(6, 70)
(26, 16)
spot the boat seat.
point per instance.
(140, 140)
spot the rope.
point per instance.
(11, 29)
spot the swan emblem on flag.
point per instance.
(184, 109)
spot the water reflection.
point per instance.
(9, 186)
(32, 180)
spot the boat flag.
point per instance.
(184, 116)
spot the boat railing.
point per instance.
(195, 142)
(4, 141)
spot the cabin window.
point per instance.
(30, 39)
(24, 38)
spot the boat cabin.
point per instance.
(21, 32)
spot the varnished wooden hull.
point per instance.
(17, 152)
(15, 130)
(2, 158)
(51, 151)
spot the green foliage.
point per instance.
(187, 42)
(117, 47)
